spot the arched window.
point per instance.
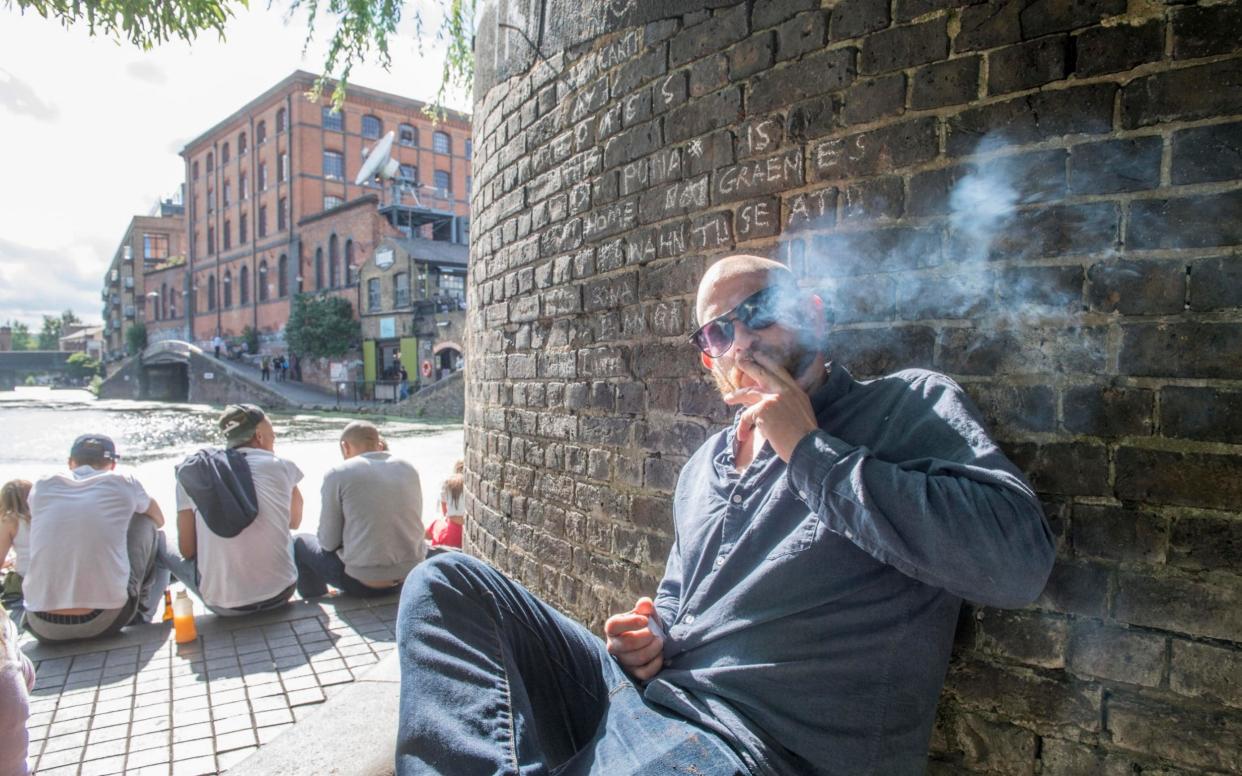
(211, 292)
(260, 133)
(241, 143)
(333, 253)
(372, 127)
(351, 274)
(441, 143)
(263, 281)
(228, 288)
(282, 276)
(281, 126)
(407, 136)
(243, 285)
(318, 268)
(224, 154)
(228, 235)
(211, 161)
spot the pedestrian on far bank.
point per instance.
(235, 509)
(371, 528)
(283, 369)
(266, 368)
(446, 530)
(218, 344)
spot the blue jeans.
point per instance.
(494, 681)
(318, 568)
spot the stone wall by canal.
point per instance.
(1042, 199)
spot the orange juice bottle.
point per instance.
(183, 618)
(168, 613)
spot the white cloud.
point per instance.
(92, 129)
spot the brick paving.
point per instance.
(141, 704)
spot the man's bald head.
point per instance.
(740, 273)
(362, 437)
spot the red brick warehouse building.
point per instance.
(281, 162)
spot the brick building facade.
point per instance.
(1095, 318)
(142, 284)
(282, 165)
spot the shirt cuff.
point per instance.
(813, 457)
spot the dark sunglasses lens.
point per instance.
(759, 311)
(715, 338)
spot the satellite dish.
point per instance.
(379, 162)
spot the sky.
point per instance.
(90, 132)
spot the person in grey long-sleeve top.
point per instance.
(823, 544)
(370, 525)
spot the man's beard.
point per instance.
(796, 361)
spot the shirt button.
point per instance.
(737, 498)
(802, 494)
(719, 561)
(689, 619)
(849, 535)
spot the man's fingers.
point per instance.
(743, 396)
(757, 372)
(623, 623)
(649, 669)
(640, 655)
(774, 369)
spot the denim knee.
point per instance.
(447, 575)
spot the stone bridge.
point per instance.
(173, 370)
(16, 365)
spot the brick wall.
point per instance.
(1043, 200)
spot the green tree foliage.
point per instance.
(136, 338)
(53, 328)
(83, 367)
(364, 29)
(250, 338)
(21, 336)
(321, 326)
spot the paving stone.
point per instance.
(199, 766)
(104, 767)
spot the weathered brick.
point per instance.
(709, 74)
(873, 198)
(866, 298)
(1207, 542)
(670, 91)
(852, 18)
(1108, 411)
(1188, 222)
(993, 747)
(669, 279)
(725, 27)
(870, 352)
(1031, 351)
(769, 13)
(1060, 230)
(1202, 31)
(1121, 47)
(1027, 65)
(1186, 479)
(877, 151)
(811, 209)
(673, 199)
(1137, 287)
(1116, 165)
(907, 46)
(709, 153)
(1024, 637)
(803, 33)
(1044, 17)
(670, 438)
(951, 82)
(988, 25)
(874, 98)
(1206, 154)
(908, 10)
(751, 56)
(1119, 533)
(1007, 408)
(1202, 739)
(758, 137)
(704, 114)
(1182, 350)
(1178, 95)
(1206, 671)
(1209, 414)
(944, 296)
(881, 250)
(1035, 117)
(1048, 290)
(757, 177)
(813, 118)
(632, 143)
(1025, 695)
(1044, 466)
(815, 74)
(651, 64)
(1077, 588)
(1117, 654)
(757, 218)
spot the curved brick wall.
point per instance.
(1042, 199)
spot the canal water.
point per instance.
(38, 426)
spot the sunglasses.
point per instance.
(757, 311)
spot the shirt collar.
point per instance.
(84, 471)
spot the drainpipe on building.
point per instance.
(254, 221)
(215, 190)
(187, 284)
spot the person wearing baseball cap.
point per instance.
(94, 540)
(236, 508)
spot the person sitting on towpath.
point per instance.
(823, 545)
(370, 526)
(235, 510)
(94, 538)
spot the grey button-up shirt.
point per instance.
(810, 607)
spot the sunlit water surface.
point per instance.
(40, 424)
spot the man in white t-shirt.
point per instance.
(235, 511)
(94, 538)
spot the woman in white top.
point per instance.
(15, 535)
